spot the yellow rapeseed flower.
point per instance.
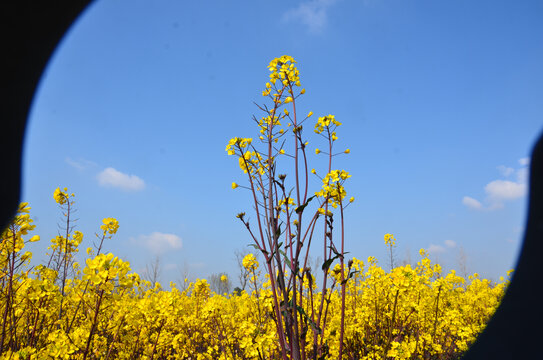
(110, 225)
(60, 197)
(249, 262)
(389, 239)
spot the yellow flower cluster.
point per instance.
(12, 241)
(324, 122)
(251, 162)
(201, 288)
(267, 124)
(389, 239)
(332, 187)
(237, 144)
(283, 69)
(110, 225)
(323, 212)
(62, 196)
(69, 245)
(288, 201)
(104, 268)
(106, 311)
(249, 262)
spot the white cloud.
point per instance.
(159, 242)
(450, 243)
(110, 177)
(471, 203)
(499, 190)
(80, 164)
(436, 249)
(311, 13)
(506, 171)
(524, 161)
(522, 175)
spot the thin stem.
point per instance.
(437, 308)
(65, 257)
(156, 340)
(94, 322)
(343, 282)
(391, 324)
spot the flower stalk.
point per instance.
(282, 235)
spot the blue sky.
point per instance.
(440, 103)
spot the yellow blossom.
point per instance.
(389, 239)
(249, 262)
(110, 225)
(60, 197)
(323, 212)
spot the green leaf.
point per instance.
(302, 312)
(336, 252)
(333, 248)
(301, 208)
(286, 259)
(276, 248)
(351, 274)
(277, 232)
(328, 262)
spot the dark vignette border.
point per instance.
(31, 31)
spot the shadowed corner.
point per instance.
(514, 332)
(32, 30)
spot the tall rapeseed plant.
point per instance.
(282, 234)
